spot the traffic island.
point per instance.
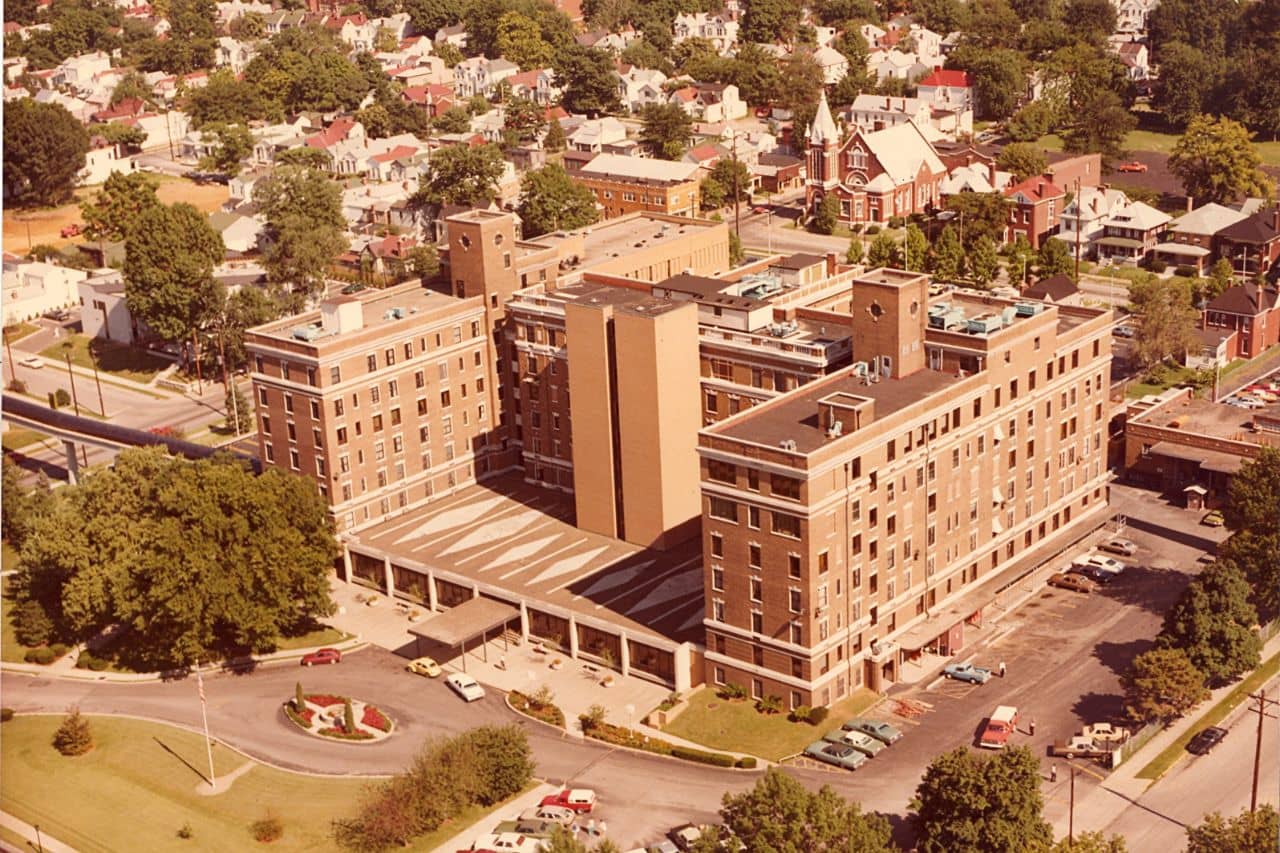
(338, 718)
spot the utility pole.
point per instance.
(102, 406)
(1079, 219)
(8, 349)
(1262, 700)
(1071, 813)
(71, 376)
(737, 212)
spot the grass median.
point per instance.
(1160, 765)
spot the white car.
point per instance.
(35, 362)
(1118, 546)
(465, 686)
(1097, 561)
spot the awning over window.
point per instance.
(999, 434)
(997, 496)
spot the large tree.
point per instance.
(1216, 162)
(984, 261)
(800, 87)
(1247, 832)
(1250, 513)
(666, 130)
(717, 188)
(550, 200)
(948, 255)
(461, 174)
(427, 16)
(305, 226)
(770, 21)
(520, 41)
(1213, 623)
(195, 559)
(590, 85)
(113, 211)
(1099, 124)
(1023, 159)
(968, 803)
(1054, 258)
(234, 145)
(170, 254)
(1162, 684)
(978, 215)
(1168, 318)
(782, 816)
(999, 78)
(44, 151)
(1187, 82)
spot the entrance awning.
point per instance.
(477, 617)
(1209, 460)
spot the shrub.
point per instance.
(670, 702)
(504, 762)
(542, 697)
(719, 759)
(17, 386)
(84, 660)
(769, 705)
(302, 718)
(1186, 271)
(6, 714)
(348, 717)
(59, 649)
(73, 737)
(818, 716)
(534, 707)
(1157, 266)
(896, 222)
(98, 664)
(856, 228)
(185, 831)
(343, 734)
(268, 829)
(299, 698)
(799, 714)
(729, 690)
(747, 762)
(43, 656)
(61, 397)
(593, 718)
(31, 624)
(873, 230)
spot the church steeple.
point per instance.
(823, 131)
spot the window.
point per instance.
(717, 545)
(375, 395)
(372, 362)
(785, 525)
(793, 565)
(757, 589)
(757, 622)
(393, 389)
(717, 579)
(785, 487)
(377, 423)
(753, 555)
(722, 472)
(444, 398)
(342, 435)
(725, 510)
(753, 517)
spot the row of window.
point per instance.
(782, 524)
(779, 485)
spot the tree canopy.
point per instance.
(170, 254)
(196, 559)
(114, 210)
(666, 130)
(461, 174)
(1162, 684)
(1250, 513)
(967, 803)
(590, 86)
(1213, 623)
(717, 187)
(1023, 159)
(1168, 320)
(782, 816)
(44, 151)
(1216, 162)
(305, 226)
(1247, 832)
(550, 200)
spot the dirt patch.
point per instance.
(35, 227)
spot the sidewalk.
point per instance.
(1102, 806)
(43, 841)
(509, 811)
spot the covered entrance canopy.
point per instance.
(476, 617)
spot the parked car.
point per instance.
(666, 845)
(1247, 403)
(579, 800)
(559, 814)
(839, 754)
(1213, 518)
(424, 666)
(1072, 581)
(1002, 723)
(879, 730)
(1107, 564)
(1132, 166)
(1123, 331)
(322, 656)
(1205, 740)
(71, 230)
(759, 208)
(465, 686)
(1093, 573)
(1116, 545)
(864, 743)
(531, 828)
(686, 835)
(500, 842)
(35, 362)
(967, 672)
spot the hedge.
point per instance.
(746, 763)
(548, 713)
(626, 737)
(719, 759)
(43, 656)
(305, 722)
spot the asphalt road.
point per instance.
(1197, 785)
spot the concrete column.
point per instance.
(433, 597)
(624, 659)
(346, 563)
(524, 622)
(73, 464)
(389, 576)
(573, 637)
(683, 667)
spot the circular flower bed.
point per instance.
(324, 715)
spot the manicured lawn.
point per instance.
(322, 636)
(137, 787)
(1149, 140)
(127, 362)
(476, 817)
(18, 438)
(11, 651)
(1172, 377)
(738, 727)
(1166, 759)
(18, 331)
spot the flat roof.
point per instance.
(1205, 418)
(466, 621)
(378, 308)
(794, 416)
(517, 540)
(639, 168)
(615, 237)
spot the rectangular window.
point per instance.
(723, 509)
(785, 487)
(722, 472)
(786, 525)
(753, 555)
(717, 545)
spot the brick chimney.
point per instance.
(1191, 203)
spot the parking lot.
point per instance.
(1065, 653)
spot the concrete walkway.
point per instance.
(1103, 805)
(42, 841)
(510, 811)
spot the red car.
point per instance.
(321, 656)
(1132, 166)
(71, 230)
(581, 800)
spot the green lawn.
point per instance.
(322, 636)
(737, 726)
(1166, 759)
(11, 651)
(127, 362)
(19, 437)
(18, 331)
(1173, 376)
(1149, 140)
(148, 774)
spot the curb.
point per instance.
(506, 700)
(354, 643)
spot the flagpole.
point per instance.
(204, 714)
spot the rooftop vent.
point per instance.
(788, 444)
(306, 333)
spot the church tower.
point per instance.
(823, 156)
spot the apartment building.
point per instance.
(625, 185)
(868, 515)
(382, 397)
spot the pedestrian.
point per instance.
(591, 826)
(1033, 726)
(603, 829)
(1053, 773)
(1002, 669)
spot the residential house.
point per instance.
(1131, 234)
(710, 102)
(1192, 239)
(720, 30)
(77, 71)
(101, 160)
(876, 112)
(947, 89)
(160, 128)
(82, 110)
(387, 165)
(1131, 15)
(894, 64)
(1082, 219)
(270, 140)
(595, 135)
(233, 54)
(455, 35)
(479, 75)
(229, 10)
(1253, 244)
(705, 156)
(32, 288)
(625, 185)
(1250, 310)
(1136, 60)
(614, 42)
(239, 233)
(127, 108)
(834, 64)
(1058, 289)
(778, 173)
(876, 175)
(973, 178)
(284, 19)
(537, 85)
(105, 312)
(435, 99)
(639, 87)
(1036, 205)
(489, 125)
(422, 71)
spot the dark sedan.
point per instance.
(1204, 741)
